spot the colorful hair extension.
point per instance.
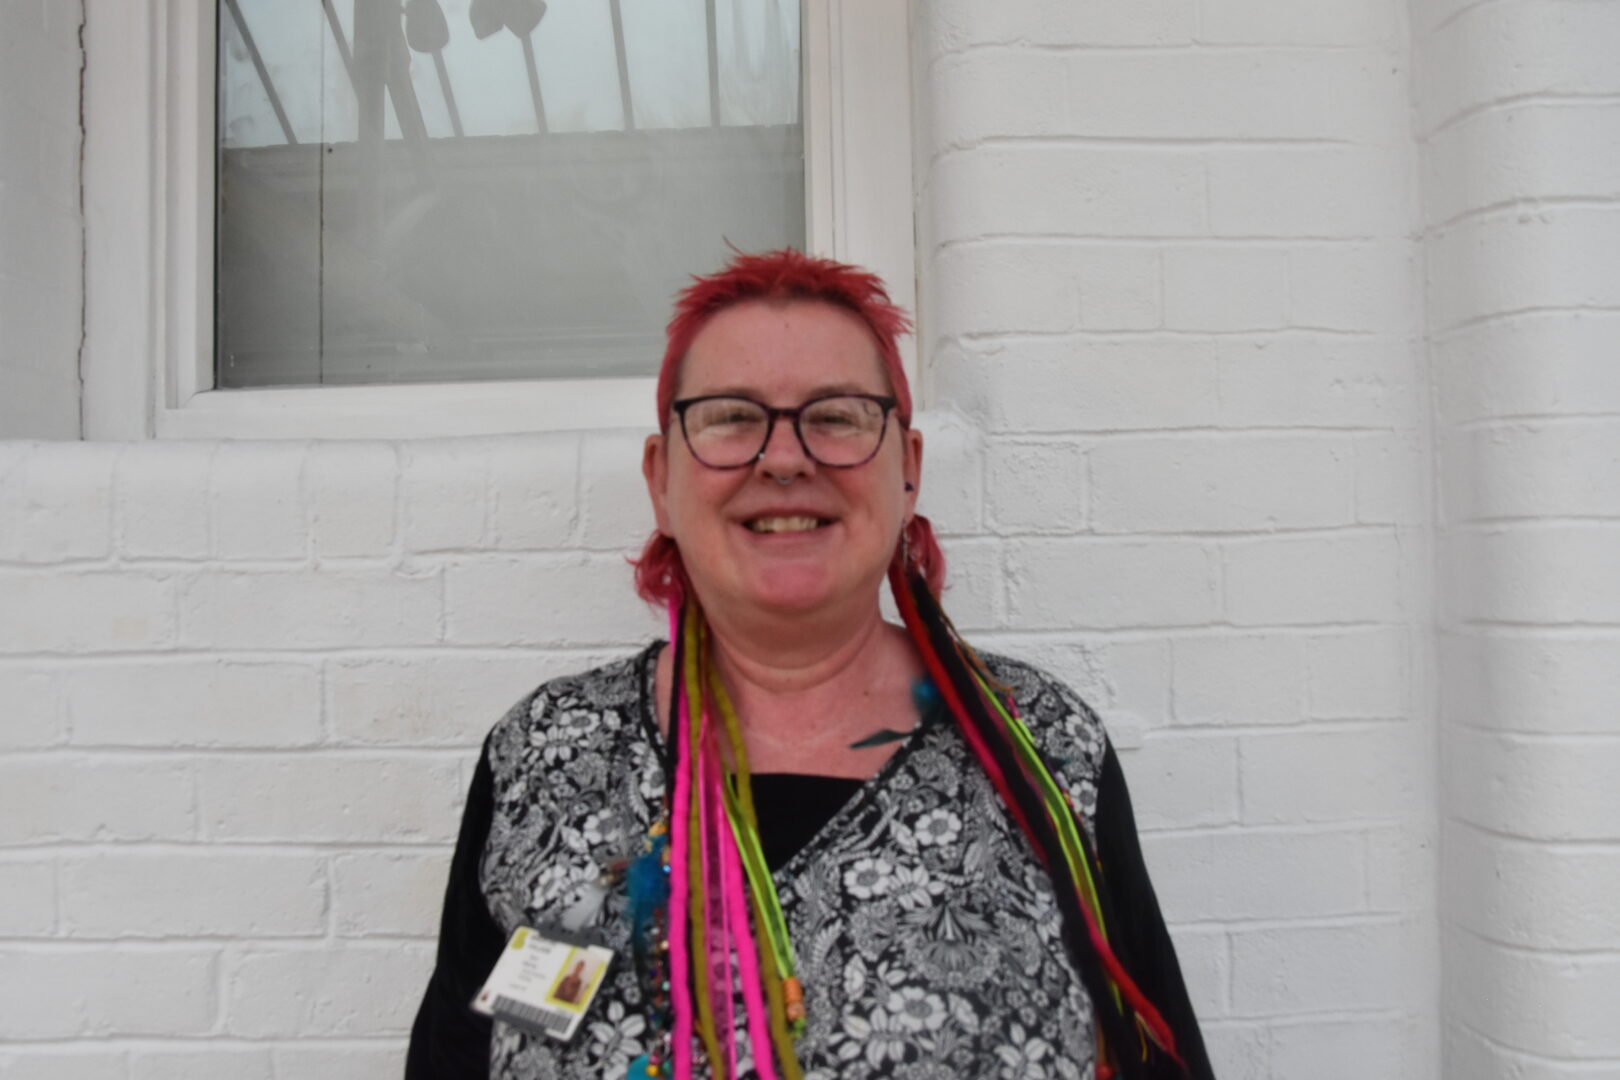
(716, 859)
(748, 972)
(1006, 751)
(716, 841)
(697, 883)
(777, 958)
(680, 968)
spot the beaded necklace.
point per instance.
(647, 882)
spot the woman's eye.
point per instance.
(728, 417)
(839, 416)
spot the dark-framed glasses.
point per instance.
(726, 431)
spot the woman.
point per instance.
(820, 844)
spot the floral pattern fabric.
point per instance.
(927, 936)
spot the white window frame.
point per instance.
(148, 362)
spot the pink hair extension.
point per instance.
(680, 973)
(716, 937)
(759, 1036)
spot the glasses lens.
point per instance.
(842, 430)
(725, 432)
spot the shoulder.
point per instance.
(1070, 734)
(566, 715)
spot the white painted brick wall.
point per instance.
(1215, 484)
(177, 893)
(87, 990)
(1181, 271)
(1323, 970)
(1519, 133)
(1178, 444)
(313, 990)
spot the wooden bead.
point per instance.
(793, 999)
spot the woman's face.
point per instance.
(783, 354)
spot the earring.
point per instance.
(910, 487)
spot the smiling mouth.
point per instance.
(786, 524)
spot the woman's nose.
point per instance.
(784, 456)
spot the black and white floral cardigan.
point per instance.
(927, 936)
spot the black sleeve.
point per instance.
(449, 1041)
(1145, 943)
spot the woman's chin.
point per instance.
(791, 590)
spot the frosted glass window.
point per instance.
(449, 190)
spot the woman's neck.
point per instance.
(802, 704)
(787, 663)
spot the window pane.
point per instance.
(662, 39)
(758, 38)
(401, 200)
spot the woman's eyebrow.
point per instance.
(824, 390)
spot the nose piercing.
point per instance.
(784, 480)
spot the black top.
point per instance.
(449, 1041)
(791, 808)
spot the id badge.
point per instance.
(543, 986)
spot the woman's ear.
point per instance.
(911, 469)
(655, 470)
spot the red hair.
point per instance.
(782, 275)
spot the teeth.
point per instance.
(784, 524)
